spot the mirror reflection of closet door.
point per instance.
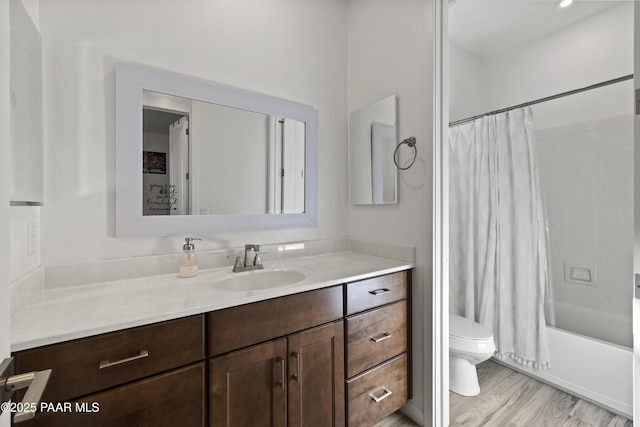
(290, 155)
(179, 166)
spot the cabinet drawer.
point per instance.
(91, 364)
(239, 327)
(375, 336)
(387, 384)
(371, 293)
(172, 399)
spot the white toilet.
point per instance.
(470, 343)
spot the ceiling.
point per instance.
(488, 28)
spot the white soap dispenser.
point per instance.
(189, 259)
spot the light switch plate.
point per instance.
(33, 236)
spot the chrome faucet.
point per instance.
(251, 259)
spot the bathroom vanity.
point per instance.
(331, 352)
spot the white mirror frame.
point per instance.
(131, 80)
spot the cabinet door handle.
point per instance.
(382, 337)
(106, 364)
(35, 383)
(384, 395)
(296, 376)
(377, 292)
(280, 382)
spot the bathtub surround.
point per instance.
(498, 242)
(586, 170)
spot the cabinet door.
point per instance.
(316, 377)
(248, 387)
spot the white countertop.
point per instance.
(68, 313)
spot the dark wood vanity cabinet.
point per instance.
(295, 379)
(292, 381)
(334, 356)
(301, 378)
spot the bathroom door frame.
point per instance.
(5, 168)
(439, 321)
(636, 216)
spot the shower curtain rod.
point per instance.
(548, 98)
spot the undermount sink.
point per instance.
(260, 279)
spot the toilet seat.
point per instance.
(466, 329)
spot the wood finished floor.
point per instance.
(508, 399)
(397, 419)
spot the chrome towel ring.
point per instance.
(411, 142)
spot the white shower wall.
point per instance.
(587, 174)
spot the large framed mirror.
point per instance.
(193, 156)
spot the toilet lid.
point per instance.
(461, 327)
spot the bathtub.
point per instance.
(591, 369)
(607, 327)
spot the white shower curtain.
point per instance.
(498, 240)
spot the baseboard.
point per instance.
(412, 411)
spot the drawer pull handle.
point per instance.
(379, 291)
(382, 337)
(106, 364)
(384, 395)
(296, 376)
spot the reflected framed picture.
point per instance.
(154, 162)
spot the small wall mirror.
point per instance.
(195, 156)
(372, 143)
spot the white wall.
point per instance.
(584, 145)
(466, 84)
(590, 51)
(390, 52)
(290, 49)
